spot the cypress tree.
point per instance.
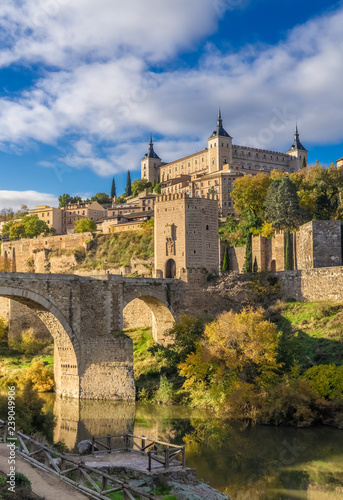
(113, 189)
(288, 252)
(226, 260)
(304, 164)
(255, 266)
(248, 255)
(128, 190)
(282, 204)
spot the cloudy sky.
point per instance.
(85, 82)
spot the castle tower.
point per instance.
(219, 147)
(186, 236)
(150, 165)
(298, 151)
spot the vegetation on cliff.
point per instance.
(118, 249)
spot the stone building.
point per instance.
(317, 244)
(214, 169)
(186, 236)
(81, 210)
(51, 215)
(339, 162)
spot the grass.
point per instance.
(145, 366)
(315, 327)
(119, 249)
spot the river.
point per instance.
(245, 462)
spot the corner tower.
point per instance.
(219, 147)
(297, 150)
(150, 165)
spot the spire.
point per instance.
(220, 131)
(296, 142)
(151, 153)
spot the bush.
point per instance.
(41, 376)
(165, 391)
(326, 380)
(22, 480)
(28, 344)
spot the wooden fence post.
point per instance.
(93, 444)
(109, 443)
(143, 443)
(183, 456)
(104, 483)
(166, 461)
(149, 466)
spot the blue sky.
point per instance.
(84, 84)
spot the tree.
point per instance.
(282, 205)
(85, 226)
(249, 194)
(226, 263)
(157, 188)
(288, 252)
(255, 266)
(101, 198)
(128, 189)
(66, 199)
(140, 185)
(248, 255)
(29, 226)
(113, 190)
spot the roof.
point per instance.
(296, 142)
(220, 130)
(151, 153)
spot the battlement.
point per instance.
(181, 196)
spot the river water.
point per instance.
(245, 462)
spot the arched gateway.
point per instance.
(84, 315)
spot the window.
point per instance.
(207, 227)
(48, 222)
(196, 162)
(42, 215)
(224, 180)
(213, 161)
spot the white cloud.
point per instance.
(105, 99)
(60, 32)
(15, 199)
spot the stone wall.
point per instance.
(21, 319)
(324, 283)
(137, 314)
(237, 259)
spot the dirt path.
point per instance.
(43, 484)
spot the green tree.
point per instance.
(157, 188)
(85, 226)
(128, 189)
(139, 185)
(282, 205)
(29, 226)
(249, 194)
(226, 262)
(248, 255)
(113, 189)
(255, 266)
(120, 199)
(66, 199)
(101, 198)
(288, 252)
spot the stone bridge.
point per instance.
(84, 315)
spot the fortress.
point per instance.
(214, 169)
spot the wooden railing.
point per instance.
(165, 454)
(92, 482)
(3, 431)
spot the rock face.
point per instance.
(195, 492)
(85, 447)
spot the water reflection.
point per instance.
(247, 463)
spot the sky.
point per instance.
(85, 83)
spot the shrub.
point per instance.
(165, 391)
(28, 344)
(41, 376)
(326, 380)
(79, 254)
(22, 480)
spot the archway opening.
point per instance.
(273, 265)
(170, 269)
(66, 349)
(148, 311)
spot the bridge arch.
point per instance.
(162, 315)
(66, 345)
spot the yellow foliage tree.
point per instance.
(249, 194)
(41, 376)
(237, 356)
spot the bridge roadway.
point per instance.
(84, 315)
